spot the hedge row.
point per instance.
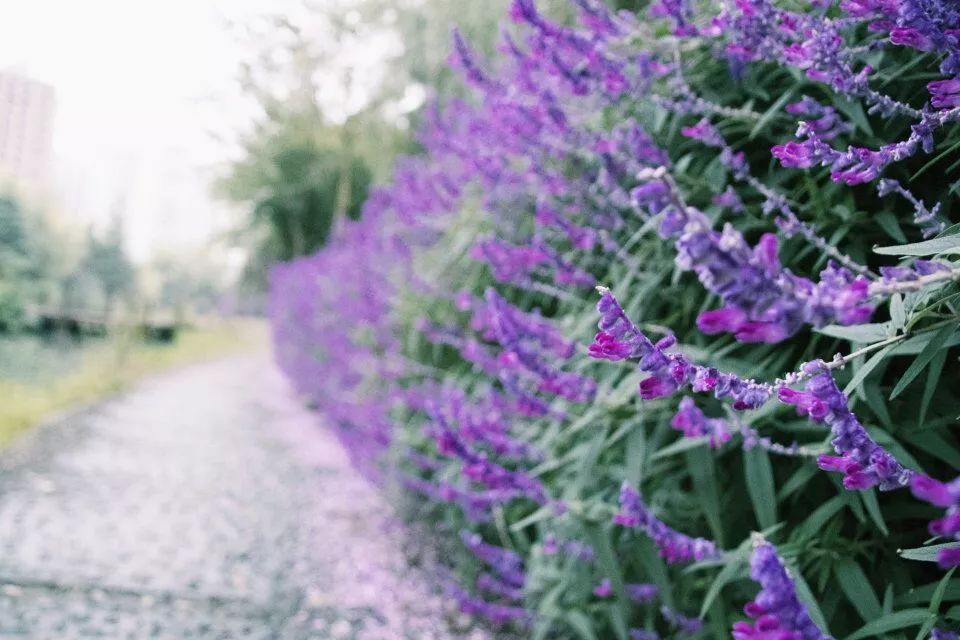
(748, 428)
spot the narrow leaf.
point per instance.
(890, 622)
(867, 367)
(948, 244)
(865, 333)
(898, 315)
(930, 385)
(928, 553)
(855, 585)
(760, 486)
(922, 360)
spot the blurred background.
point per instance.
(157, 158)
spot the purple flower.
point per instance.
(509, 263)
(550, 545)
(641, 592)
(497, 587)
(496, 613)
(777, 612)
(910, 37)
(604, 589)
(928, 220)
(730, 200)
(675, 547)
(826, 123)
(721, 321)
(606, 346)
(945, 94)
(668, 371)
(693, 423)
(685, 625)
(798, 155)
(507, 564)
(946, 496)
(863, 462)
(704, 132)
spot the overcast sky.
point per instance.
(140, 85)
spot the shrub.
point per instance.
(761, 186)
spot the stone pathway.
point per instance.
(204, 504)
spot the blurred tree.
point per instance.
(31, 258)
(107, 262)
(13, 257)
(13, 238)
(185, 284)
(339, 87)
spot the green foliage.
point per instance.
(295, 182)
(30, 261)
(107, 262)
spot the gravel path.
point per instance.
(204, 504)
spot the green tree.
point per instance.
(106, 260)
(31, 258)
(13, 239)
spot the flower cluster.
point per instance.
(674, 546)
(564, 153)
(776, 610)
(619, 339)
(863, 462)
(693, 423)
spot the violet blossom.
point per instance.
(863, 462)
(777, 612)
(674, 546)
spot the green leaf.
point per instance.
(854, 111)
(865, 333)
(760, 486)
(890, 622)
(806, 597)
(888, 222)
(700, 464)
(655, 568)
(867, 367)
(681, 445)
(636, 453)
(797, 481)
(586, 471)
(543, 513)
(916, 344)
(600, 539)
(819, 517)
(922, 594)
(898, 315)
(930, 385)
(734, 569)
(771, 112)
(855, 585)
(922, 360)
(948, 244)
(934, 607)
(928, 553)
(581, 624)
(936, 445)
(869, 498)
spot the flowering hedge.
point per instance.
(750, 432)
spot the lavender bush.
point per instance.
(749, 431)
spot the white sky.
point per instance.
(140, 85)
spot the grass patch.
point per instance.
(116, 364)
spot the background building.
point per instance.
(27, 110)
